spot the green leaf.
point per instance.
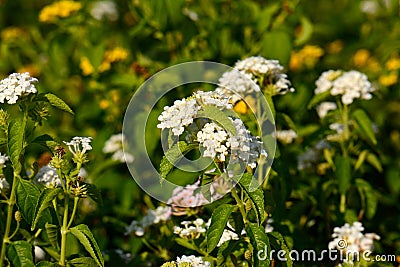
(85, 236)
(27, 199)
(306, 31)
(256, 197)
(218, 116)
(368, 195)
(19, 253)
(374, 161)
(224, 251)
(219, 218)
(260, 242)
(364, 124)
(46, 141)
(318, 98)
(52, 234)
(343, 173)
(94, 194)
(172, 156)
(44, 201)
(277, 44)
(361, 159)
(282, 245)
(57, 102)
(288, 121)
(16, 132)
(84, 262)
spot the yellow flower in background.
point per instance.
(240, 107)
(86, 67)
(115, 55)
(60, 9)
(335, 47)
(361, 58)
(308, 56)
(111, 56)
(393, 63)
(388, 79)
(12, 33)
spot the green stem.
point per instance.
(11, 203)
(64, 231)
(76, 200)
(342, 203)
(239, 204)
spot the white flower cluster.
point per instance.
(104, 10)
(16, 86)
(4, 185)
(237, 84)
(115, 145)
(350, 85)
(243, 146)
(188, 196)
(192, 229)
(339, 130)
(324, 108)
(184, 111)
(193, 260)
(48, 176)
(79, 145)
(307, 159)
(152, 217)
(286, 136)
(269, 227)
(351, 239)
(3, 159)
(179, 115)
(270, 70)
(227, 235)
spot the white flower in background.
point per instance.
(39, 253)
(310, 157)
(179, 115)
(48, 176)
(152, 217)
(190, 14)
(325, 107)
(115, 145)
(79, 145)
(126, 257)
(370, 7)
(325, 81)
(349, 238)
(350, 85)
(16, 86)
(286, 136)
(237, 84)
(188, 196)
(339, 130)
(213, 98)
(268, 227)
(104, 10)
(270, 70)
(3, 159)
(192, 229)
(227, 235)
(193, 260)
(4, 185)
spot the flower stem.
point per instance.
(64, 231)
(11, 203)
(76, 200)
(239, 204)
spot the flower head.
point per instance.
(3, 159)
(325, 107)
(104, 10)
(349, 85)
(78, 147)
(153, 217)
(354, 239)
(4, 185)
(286, 136)
(193, 261)
(237, 84)
(16, 86)
(186, 197)
(61, 9)
(48, 176)
(115, 145)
